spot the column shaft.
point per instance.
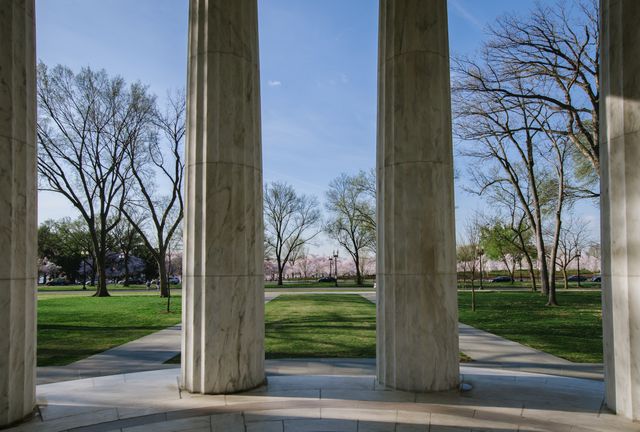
(417, 302)
(18, 212)
(620, 203)
(223, 298)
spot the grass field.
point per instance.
(525, 285)
(74, 327)
(71, 327)
(328, 325)
(572, 331)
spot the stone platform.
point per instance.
(325, 396)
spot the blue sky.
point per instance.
(318, 72)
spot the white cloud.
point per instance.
(274, 83)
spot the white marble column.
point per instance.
(18, 213)
(620, 203)
(223, 294)
(417, 302)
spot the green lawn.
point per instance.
(572, 331)
(320, 325)
(329, 325)
(73, 327)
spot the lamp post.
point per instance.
(520, 267)
(578, 253)
(335, 263)
(330, 265)
(480, 252)
(84, 269)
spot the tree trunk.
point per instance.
(162, 275)
(552, 301)
(100, 246)
(532, 272)
(101, 287)
(280, 271)
(542, 259)
(566, 279)
(126, 268)
(356, 261)
(473, 276)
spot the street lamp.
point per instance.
(480, 252)
(578, 253)
(335, 263)
(85, 255)
(330, 265)
(520, 266)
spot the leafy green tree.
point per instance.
(499, 243)
(65, 242)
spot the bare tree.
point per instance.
(507, 134)
(574, 239)
(365, 183)
(554, 51)
(351, 216)
(472, 240)
(157, 157)
(86, 124)
(290, 220)
(126, 238)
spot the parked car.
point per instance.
(175, 280)
(132, 281)
(327, 279)
(57, 282)
(576, 278)
(596, 278)
(502, 279)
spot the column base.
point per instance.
(181, 388)
(34, 413)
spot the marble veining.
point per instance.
(223, 298)
(417, 304)
(620, 204)
(18, 212)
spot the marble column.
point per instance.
(417, 302)
(18, 213)
(223, 294)
(620, 203)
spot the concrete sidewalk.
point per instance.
(490, 350)
(147, 353)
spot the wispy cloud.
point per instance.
(464, 13)
(274, 83)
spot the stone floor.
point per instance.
(338, 395)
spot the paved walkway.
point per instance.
(339, 396)
(152, 351)
(490, 350)
(147, 353)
